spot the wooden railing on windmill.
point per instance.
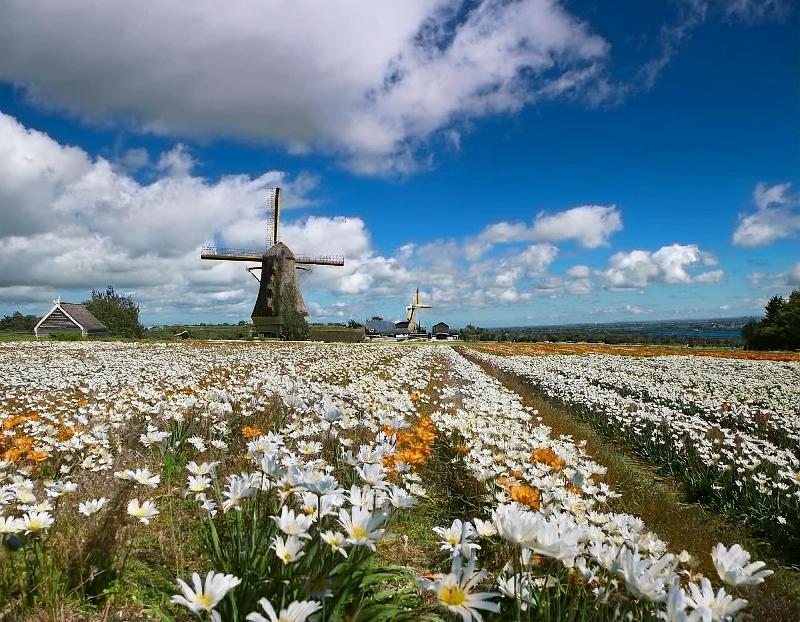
(278, 265)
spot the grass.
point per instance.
(664, 505)
(8, 337)
(452, 493)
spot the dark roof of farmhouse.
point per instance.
(83, 316)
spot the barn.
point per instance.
(66, 317)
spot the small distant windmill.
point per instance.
(412, 316)
(278, 265)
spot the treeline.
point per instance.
(780, 327)
(599, 335)
(18, 323)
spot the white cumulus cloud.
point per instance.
(776, 217)
(669, 264)
(72, 222)
(591, 226)
(371, 80)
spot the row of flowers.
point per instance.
(761, 398)
(553, 523)
(741, 472)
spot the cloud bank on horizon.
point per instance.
(87, 222)
(377, 87)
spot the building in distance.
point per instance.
(66, 317)
(378, 327)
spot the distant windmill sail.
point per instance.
(278, 264)
(413, 315)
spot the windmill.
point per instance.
(412, 317)
(278, 292)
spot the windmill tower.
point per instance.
(278, 292)
(412, 315)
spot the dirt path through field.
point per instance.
(660, 502)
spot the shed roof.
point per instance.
(83, 316)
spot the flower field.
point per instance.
(370, 482)
(730, 428)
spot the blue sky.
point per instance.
(523, 162)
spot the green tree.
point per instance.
(119, 313)
(18, 323)
(780, 328)
(471, 333)
(773, 310)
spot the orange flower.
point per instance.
(526, 495)
(414, 445)
(545, 455)
(65, 433)
(12, 455)
(13, 422)
(251, 432)
(37, 456)
(24, 443)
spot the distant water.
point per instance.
(701, 333)
(712, 329)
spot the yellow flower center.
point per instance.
(359, 533)
(205, 600)
(452, 596)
